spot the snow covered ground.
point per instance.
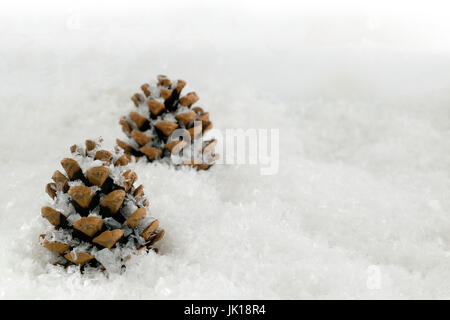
(360, 207)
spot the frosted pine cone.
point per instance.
(98, 217)
(152, 126)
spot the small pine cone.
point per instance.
(98, 217)
(160, 110)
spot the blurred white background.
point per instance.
(358, 89)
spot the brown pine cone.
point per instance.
(158, 112)
(98, 217)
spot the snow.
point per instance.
(359, 207)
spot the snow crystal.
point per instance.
(111, 223)
(73, 217)
(167, 117)
(63, 236)
(110, 259)
(127, 231)
(63, 205)
(129, 206)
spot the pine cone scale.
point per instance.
(80, 258)
(135, 218)
(97, 175)
(89, 225)
(108, 238)
(72, 168)
(150, 230)
(57, 247)
(113, 201)
(53, 216)
(82, 195)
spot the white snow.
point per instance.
(360, 207)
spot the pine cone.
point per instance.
(159, 111)
(99, 218)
